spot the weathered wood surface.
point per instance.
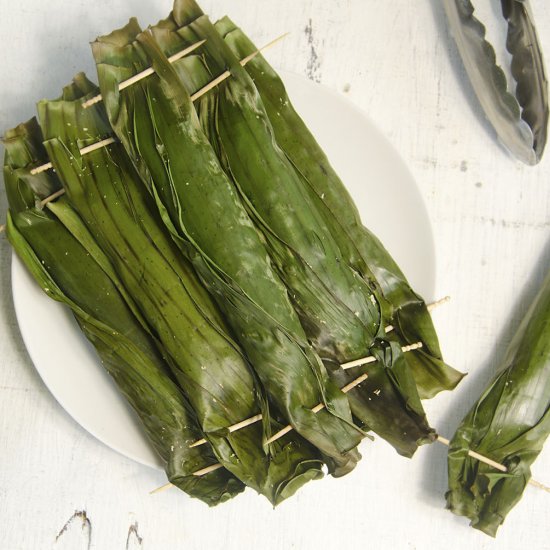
(61, 488)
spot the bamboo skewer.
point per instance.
(163, 487)
(42, 168)
(539, 485)
(252, 420)
(144, 74)
(437, 303)
(198, 473)
(148, 72)
(231, 429)
(52, 197)
(494, 464)
(475, 455)
(372, 359)
(208, 469)
(430, 307)
(83, 151)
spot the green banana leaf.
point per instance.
(339, 309)
(157, 124)
(105, 190)
(75, 273)
(508, 424)
(283, 205)
(410, 317)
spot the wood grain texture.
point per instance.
(491, 219)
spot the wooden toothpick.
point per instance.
(52, 197)
(198, 473)
(161, 488)
(144, 74)
(251, 56)
(208, 469)
(372, 359)
(437, 303)
(475, 455)
(231, 429)
(40, 169)
(539, 485)
(493, 463)
(430, 307)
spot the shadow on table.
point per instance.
(473, 385)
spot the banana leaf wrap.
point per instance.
(71, 269)
(300, 246)
(158, 125)
(409, 314)
(509, 424)
(121, 215)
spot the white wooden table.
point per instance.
(61, 488)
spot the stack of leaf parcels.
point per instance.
(218, 265)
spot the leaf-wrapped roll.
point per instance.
(509, 424)
(72, 269)
(410, 317)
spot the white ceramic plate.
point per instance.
(389, 202)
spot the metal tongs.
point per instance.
(520, 121)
